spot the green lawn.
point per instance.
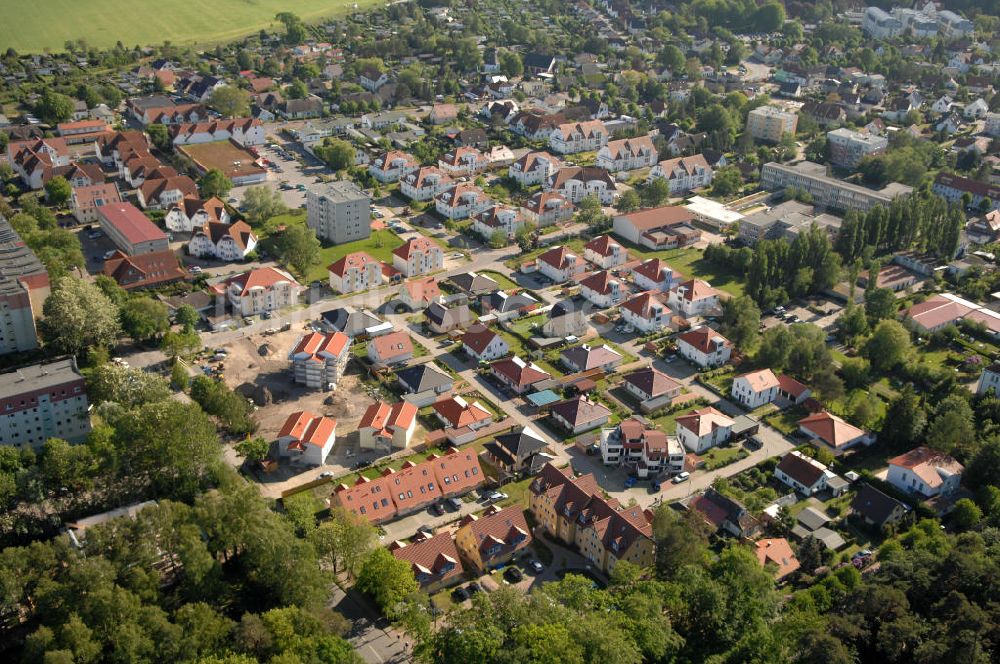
(34, 27)
(690, 263)
(502, 279)
(380, 245)
(717, 457)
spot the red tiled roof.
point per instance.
(308, 428)
(392, 345)
(357, 259)
(695, 289)
(778, 552)
(414, 244)
(518, 372)
(262, 277)
(703, 421)
(830, 429)
(668, 215)
(459, 413)
(131, 222)
(435, 558)
(478, 337)
(603, 245)
(144, 270)
(701, 337)
(317, 344)
(642, 305)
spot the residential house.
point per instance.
(755, 389)
(424, 383)
(824, 114)
(533, 168)
(653, 388)
(301, 109)
(493, 538)
(442, 318)
(602, 289)
(473, 283)
(192, 213)
(579, 414)
(572, 137)
(791, 391)
(627, 154)
(442, 114)
(925, 473)
(434, 560)
(483, 344)
(694, 298)
(390, 349)
(463, 161)
(647, 312)
(501, 219)
(560, 264)
(703, 429)
(776, 554)
(975, 110)
(163, 193)
(392, 165)
(462, 201)
(157, 268)
(372, 78)
(505, 305)
(683, 174)
(420, 293)
(245, 132)
(572, 510)
(604, 252)
(518, 375)
(725, 514)
(259, 290)
(831, 431)
(388, 427)
(418, 255)
(804, 474)
(224, 242)
(318, 359)
(704, 347)
(653, 274)
(586, 358)
(457, 413)
(954, 187)
(425, 183)
(577, 182)
(565, 320)
(36, 161)
(413, 487)
(517, 453)
(989, 379)
(546, 208)
(648, 451)
(358, 271)
(877, 510)
(307, 438)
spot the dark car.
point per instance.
(513, 574)
(460, 594)
(436, 509)
(474, 588)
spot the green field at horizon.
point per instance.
(32, 27)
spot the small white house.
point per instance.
(704, 347)
(703, 429)
(755, 389)
(307, 438)
(925, 473)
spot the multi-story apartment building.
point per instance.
(546, 208)
(954, 187)
(502, 218)
(318, 359)
(572, 510)
(357, 271)
(494, 537)
(848, 147)
(533, 168)
(463, 161)
(131, 230)
(392, 165)
(419, 255)
(24, 285)
(259, 290)
(42, 401)
(683, 173)
(825, 190)
(225, 242)
(242, 131)
(627, 154)
(425, 183)
(648, 451)
(770, 123)
(339, 212)
(880, 25)
(576, 183)
(573, 137)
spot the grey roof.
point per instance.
(341, 191)
(509, 447)
(503, 303)
(472, 282)
(351, 323)
(875, 505)
(831, 539)
(16, 260)
(441, 315)
(812, 518)
(40, 376)
(423, 377)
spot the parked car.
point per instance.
(474, 588)
(535, 566)
(436, 509)
(681, 477)
(496, 496)
(513, 574)
(455, 503)
(460, 594)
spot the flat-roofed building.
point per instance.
(849, 147)
(770, 123)
(828, 191)
(42, 401)
(339, 212)
(24, 286)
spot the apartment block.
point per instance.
(24, 285)
(42, 401)
(339, 212)
(828, 191)
(848, 148)
(770, 123)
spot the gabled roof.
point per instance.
(875, 505)
(460, 413)
(830, 428)
(580, 410)
(414, 245)
(423, 290)
(355, 260)
(308, 428)
(472, 282)
(519, 372)
(763, 379)
(931, 466)
(599, 282)
(262, 277)
(422, 377)
(652, 381)
(392, 345)
(521, 444)
(435, 557)
(383, 418)
(131, 222)
(589, 357)
(477, 338)
(319, 346)
(654, 269)
(644, 304)
(802, 469)
(694, 290)
(777, 552)
(604, 245)
(560, 257)
(703, 421)
(793, 387)
(701, 338)
(506, 528)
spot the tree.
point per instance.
(952, 429)
(159, 135)
(260, 203)
(511, 64)
(628, 201)
(905, 420)
(125, 386)
(966, 514)
(295, 31)
(298, 248)
(498, 239)
(53, 107)
(880, 304)
(387, 579)
(335, 153)
(297, 90)
(888, 346)
(217, 399)
(726, 181)
(253, 449)
(344, 540)
(178, 344)
(179, 376)
(741, 321)
(144, 318)
(187, 316)
(852, 324)
(57, 190)
(672, 58)
(78, 315)
(769, 17)
(681, 540)
(655, 193)
(214, 183)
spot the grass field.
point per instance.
(49, 24)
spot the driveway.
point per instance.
(371, 635)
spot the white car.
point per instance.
(680, 477)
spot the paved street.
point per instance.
(373, 638)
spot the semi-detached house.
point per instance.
(704, 347)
